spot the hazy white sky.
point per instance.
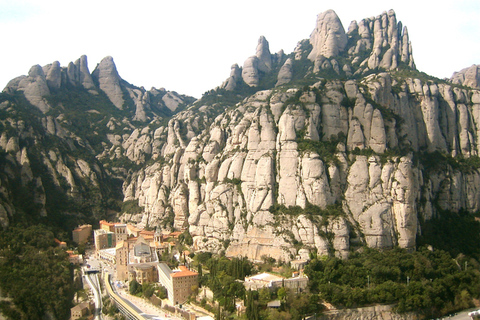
(189, 46)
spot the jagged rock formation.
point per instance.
(327, 148)
(379, 43)
(469, 77)
(285, 74)
(38, 143)
(109, 81)
(257, 144)
(328, 39)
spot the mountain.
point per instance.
(66, 137)
(339, 144)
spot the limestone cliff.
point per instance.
(339, 144)
(268, 150)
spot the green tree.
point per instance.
(251, 304)
(134, 287)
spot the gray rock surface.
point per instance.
(328, 38)
(109, 81)
(264, 56)
(250, 73)
(286, 73)
(469, 77)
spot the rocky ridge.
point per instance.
(58, 118)
(469, 77)
(223, 184)
(327, 148)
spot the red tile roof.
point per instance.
(184, 272)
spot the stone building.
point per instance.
(121, 256)
(297, 284)
(183, 283)
(143, 272)
(103, 239)
(82, 233)
(82, 310)
(179, 283)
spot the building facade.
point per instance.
(103, 239)
(121, 255)
(82, 233)
(179, 283)
(120, 231)
(143, 273)
(297, 284)
(183, 283)
(82, 310)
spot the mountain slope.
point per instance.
(338, 144)
(349, 132)
(61, 129)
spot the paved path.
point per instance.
(148, 309)
(461, 315)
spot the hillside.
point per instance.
(341, 143)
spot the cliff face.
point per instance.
(270, 149)
(338, 144)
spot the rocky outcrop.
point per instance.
(328, 39)
(34, 87)
(469, 77)
(253, 66)
(53, 75)
(235, 75)
(264, 56)
(262, 154)
(109, 81)
(373, 43)
(384, 38)
(250, 72)
(286, 73)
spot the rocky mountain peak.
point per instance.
(384, 38)
(263, 55)
(328, 38)
(84, 77)
(260, 62)
(375, 43)
(36, 71)
(109, 81)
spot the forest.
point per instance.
(35, 274)
(429, 282)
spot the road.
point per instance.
(92, 280)
(461, 315)
(143, 307)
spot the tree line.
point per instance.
(428, 282)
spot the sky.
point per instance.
(188, 46)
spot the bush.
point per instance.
(134, 287)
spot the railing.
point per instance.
(125, 309)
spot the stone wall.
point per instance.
(367, 313)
